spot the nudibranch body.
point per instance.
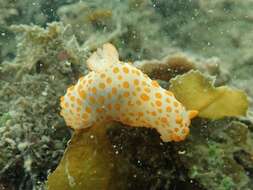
(118, 91)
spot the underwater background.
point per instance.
(43, 49)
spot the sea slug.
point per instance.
(118, 91)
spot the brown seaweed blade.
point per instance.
(197, 92)
(88, 163)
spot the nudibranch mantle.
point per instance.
(118, 91)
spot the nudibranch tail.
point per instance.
(192, 113)
(103, 58)
(118, 91)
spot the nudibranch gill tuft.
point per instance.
(118, 91)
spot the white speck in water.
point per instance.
(181, 152)
(91, 136)
(67, 63)
(204, 126)
(44, 93)
(3, 34)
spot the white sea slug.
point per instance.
(118, 91)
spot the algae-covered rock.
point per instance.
(242, 73)
(149, 162)
(41, 48)
(168, 67)
(208, 160)
(33, 135)
(198, 93)
(177, 62)
(139, 34)
(211, 154)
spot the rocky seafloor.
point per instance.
(43, 49)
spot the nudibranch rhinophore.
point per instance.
(118, 91)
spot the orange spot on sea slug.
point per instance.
(164, 119)
(94, 90)
(82, 94)
(109, 80)
(99, 110)
(85, 116)
(158, 95)
(79, 101)
(136, 82)
(101, 99)
(126, 94)
(90, 81)
(158, 103)
(179, 119)
(120, 77)
(92, 100)
(146, 89)
(168, 108)
(103, 75)
(115, 70)
(186, 130)
(125, 84)
(88, 109)
(175, 104)
(117, 106)
(138, 102)
(101, 85)
(155, 83)
(125, 70)
(114, 90)
(72, 98)
(144, 97)
(109, 106)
